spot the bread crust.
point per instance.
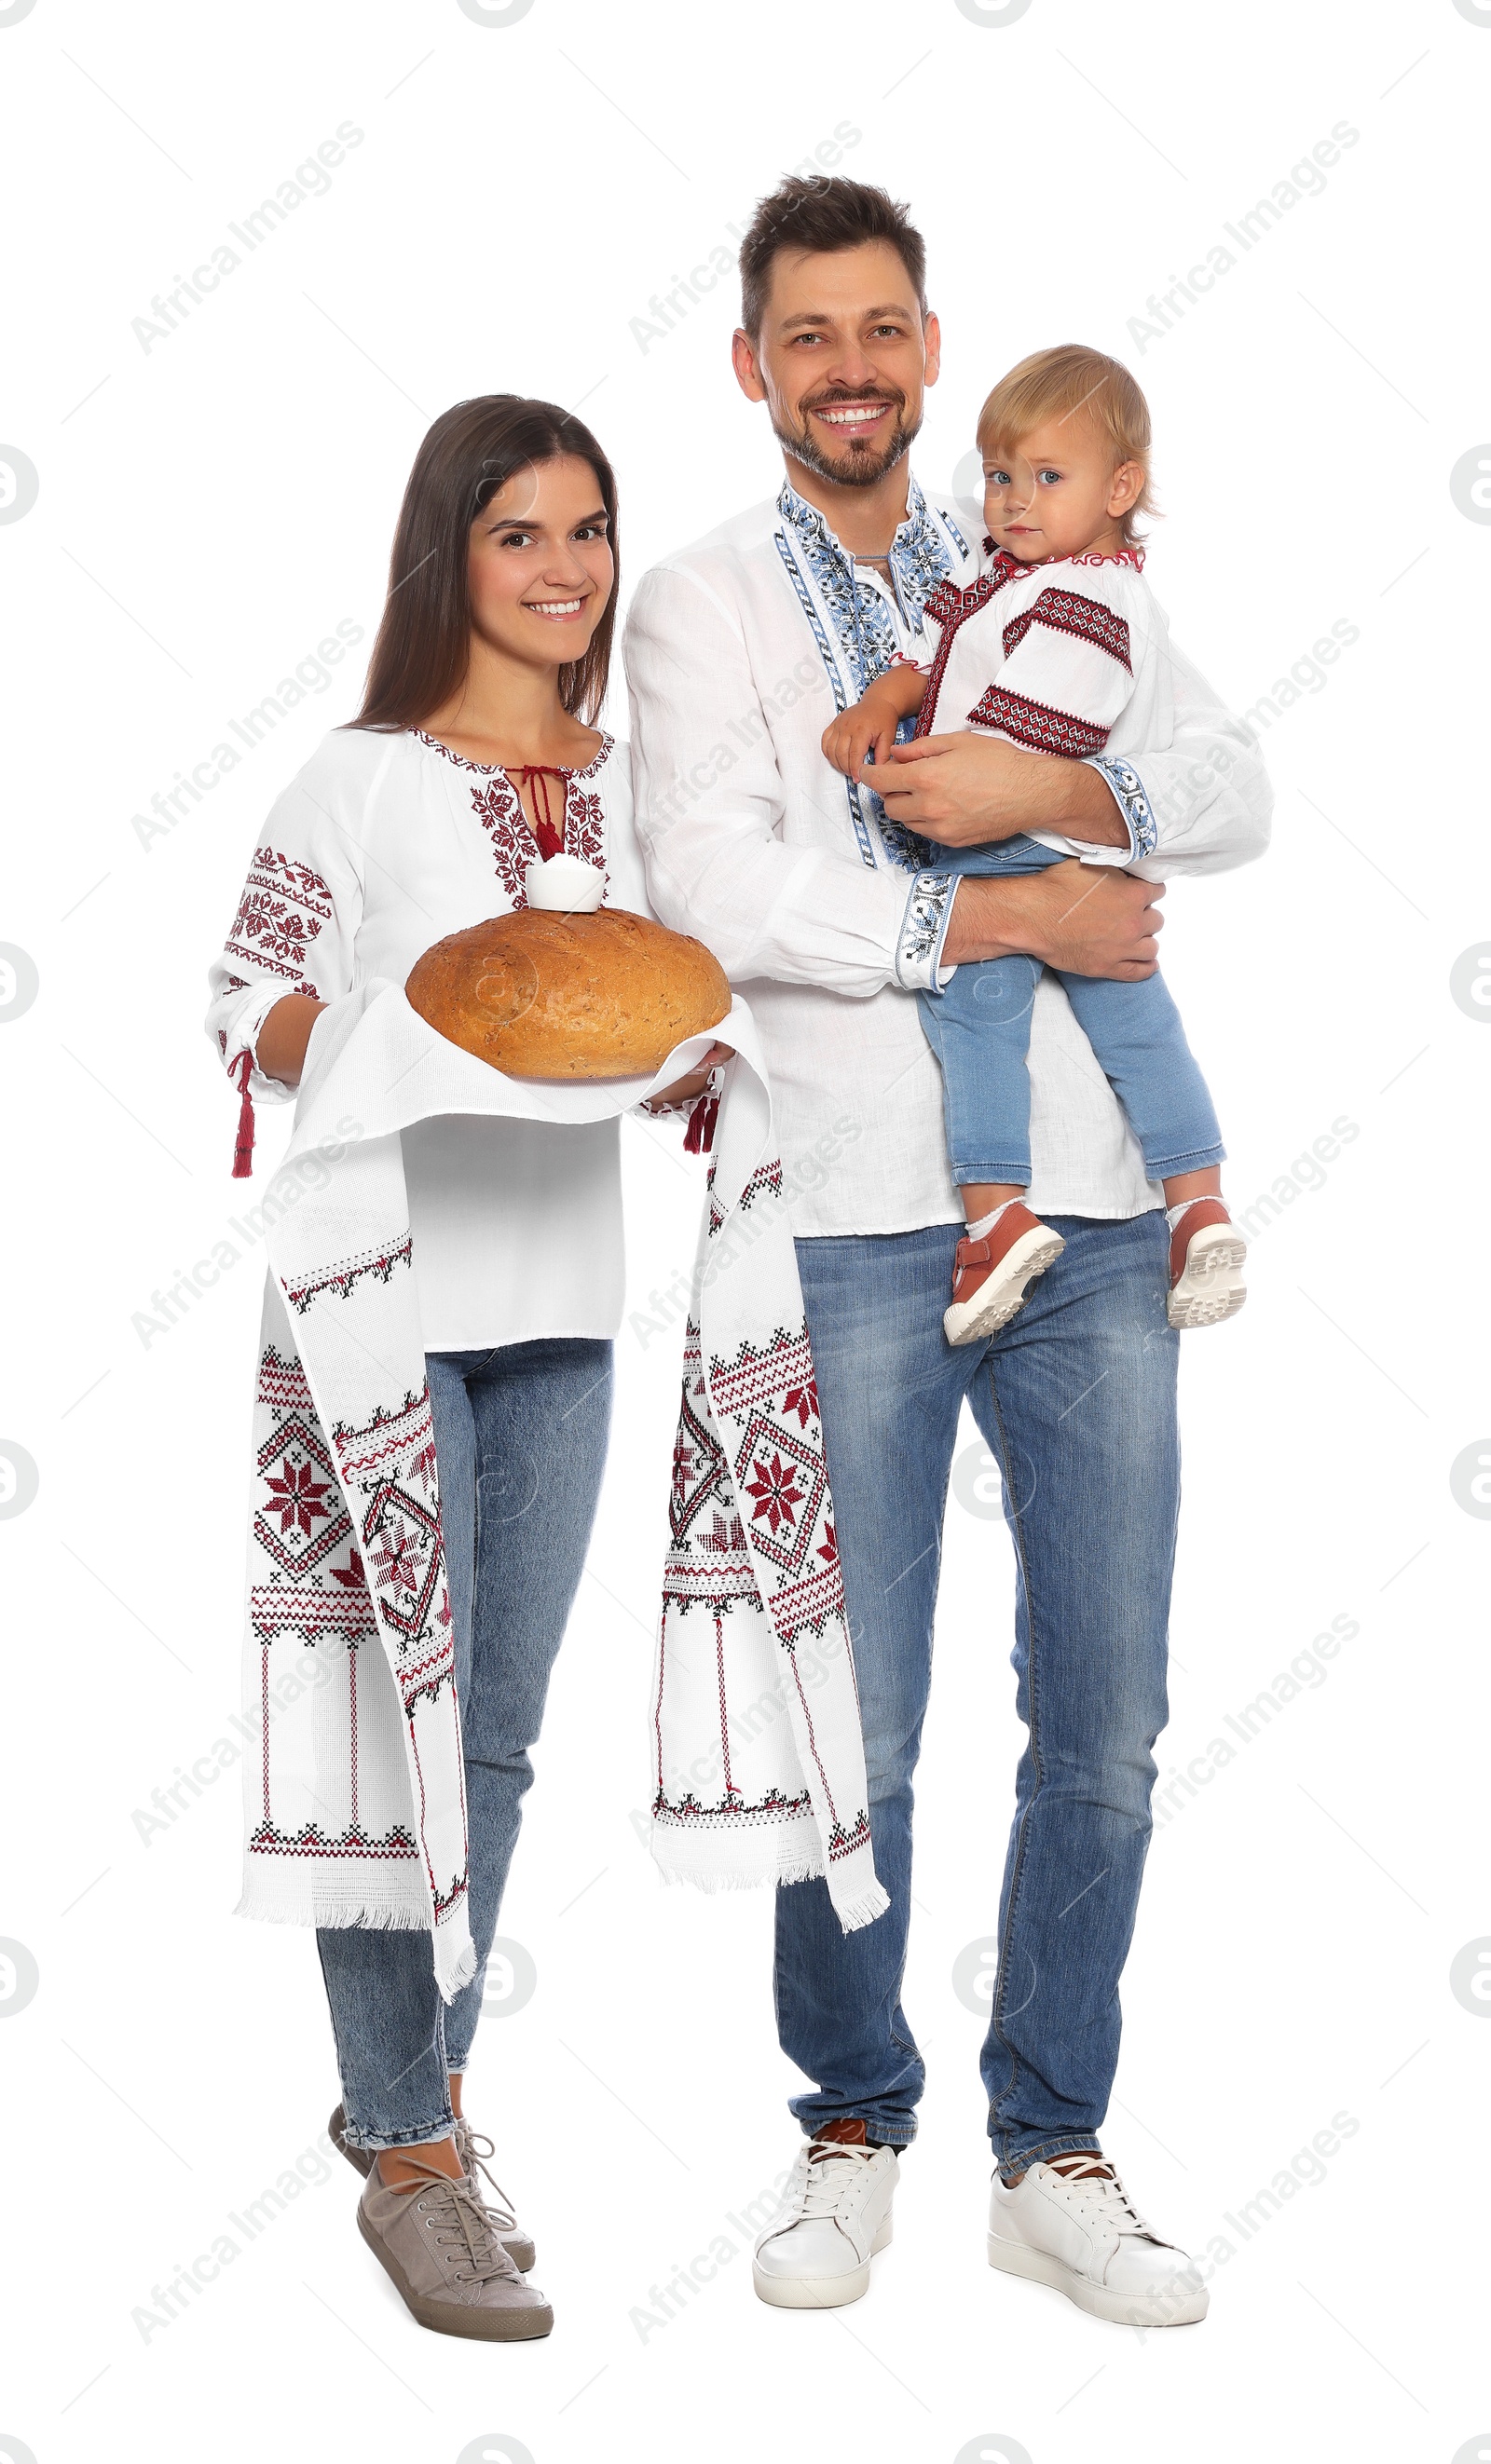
(555, 996)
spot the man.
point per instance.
(829, 911)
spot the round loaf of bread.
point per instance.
(556, 996)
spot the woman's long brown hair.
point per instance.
(423, 648)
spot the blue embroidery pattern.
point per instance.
(794, 573)
(1129, 790)
(905, 846)
(855, 632)
(923, 930)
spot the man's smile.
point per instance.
(850, 415)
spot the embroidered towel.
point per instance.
(356, 1808)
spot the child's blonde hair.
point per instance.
(1059, 382)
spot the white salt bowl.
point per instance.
(566, 885)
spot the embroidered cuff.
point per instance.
(1127, 790)
(923, 929)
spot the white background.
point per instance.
(208, 509)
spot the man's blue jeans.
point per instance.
(1076, 1400)
(520, 1442)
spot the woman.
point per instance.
(474, 753)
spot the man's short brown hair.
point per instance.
(822, 216)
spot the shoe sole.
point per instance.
(1212, 1288)
(1003, 1293)
(522, 2253)
(454, 2318)
(1121, 2309)
(818, 2291)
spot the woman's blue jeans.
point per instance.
(979, 1026)
(520, 1436)
(1076, 1400)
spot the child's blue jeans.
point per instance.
(980, 1029)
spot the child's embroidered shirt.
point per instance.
(1070, 657)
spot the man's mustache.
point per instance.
(841, 395)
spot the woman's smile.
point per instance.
(557, 612)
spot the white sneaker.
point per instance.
(836, 2215)
(1078, 2230)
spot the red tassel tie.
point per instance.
(700, 1136)
(243, 1149)
(549, 837)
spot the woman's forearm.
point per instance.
(284, 1037)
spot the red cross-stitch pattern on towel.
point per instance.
(302, 1525)
(300, 1516)
(388, 1464)
(348, 1271)
(780, 1479)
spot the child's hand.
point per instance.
(870, 726)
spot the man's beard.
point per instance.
(858, 466)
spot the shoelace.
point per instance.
(1104, 2195)
(455, 2208)
(827, 2181)
(473, 2149)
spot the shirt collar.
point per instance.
(918, 554)
(1007, 566)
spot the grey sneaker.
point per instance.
(452, 2273)
(518, 2244)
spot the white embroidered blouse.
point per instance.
(382, 845)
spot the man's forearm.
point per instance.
(1070, 799)
(1089, 920)
(968, 790)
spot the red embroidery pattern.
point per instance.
(952, 609)
(945, 605)
(499, 808)
(301, 1522)
(348, 1271)
(312, 1615)
(781, 1482)
(1068, 611)
(268, 1841)
(1030, 723)
(388, 1470)
(1130, 556)
(779, 1477)
(765, 1181)
(301, 1517)
(785, 1368)
(283, 907)
(843, 1843)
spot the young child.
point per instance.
(1058, 647)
